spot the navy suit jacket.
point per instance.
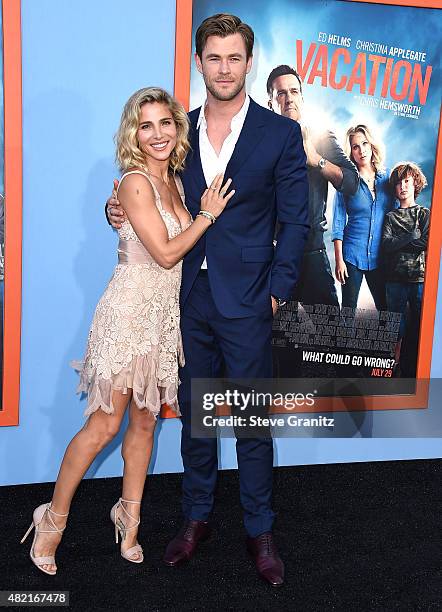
(268, 172)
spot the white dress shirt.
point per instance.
(212, 163)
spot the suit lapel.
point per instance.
(193, 162)
(252, 132)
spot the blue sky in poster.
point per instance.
(278, 24)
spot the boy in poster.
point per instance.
(404, 242)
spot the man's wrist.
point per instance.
(313, 158)
(322, 163)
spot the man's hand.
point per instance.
(274, 305)
(313, 156)
(115, 213)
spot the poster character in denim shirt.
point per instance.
(358, 220)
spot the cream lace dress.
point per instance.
(135, 340)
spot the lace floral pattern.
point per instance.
(134, 340)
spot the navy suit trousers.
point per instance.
(215, 346)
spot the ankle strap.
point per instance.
(53, 526)
(56, 513)
(127, 513)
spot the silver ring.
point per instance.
(213, 188)
(111, 211)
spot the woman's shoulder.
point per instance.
(383, 174)
(134, 173)
(133, 176)
(135, 179)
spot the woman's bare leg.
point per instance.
(136, 451)
(97, 432)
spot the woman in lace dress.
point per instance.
(134, 345)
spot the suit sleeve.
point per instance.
(291, 189)
(105, 214)
(332, 151)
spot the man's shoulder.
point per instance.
(264, 115)
(193, 115)
(274, 120)
(322, 136)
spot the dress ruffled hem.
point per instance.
(139, 375)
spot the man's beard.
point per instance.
(228, 95)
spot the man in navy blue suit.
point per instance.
(234, 277)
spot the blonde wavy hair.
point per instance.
(128, 153)
(377, 147)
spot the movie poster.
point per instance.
(2, 209)
(359, 301)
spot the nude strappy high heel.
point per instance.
(121, 528)
(37, 518)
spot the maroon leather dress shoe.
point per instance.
(184, 544)
(267, 560)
